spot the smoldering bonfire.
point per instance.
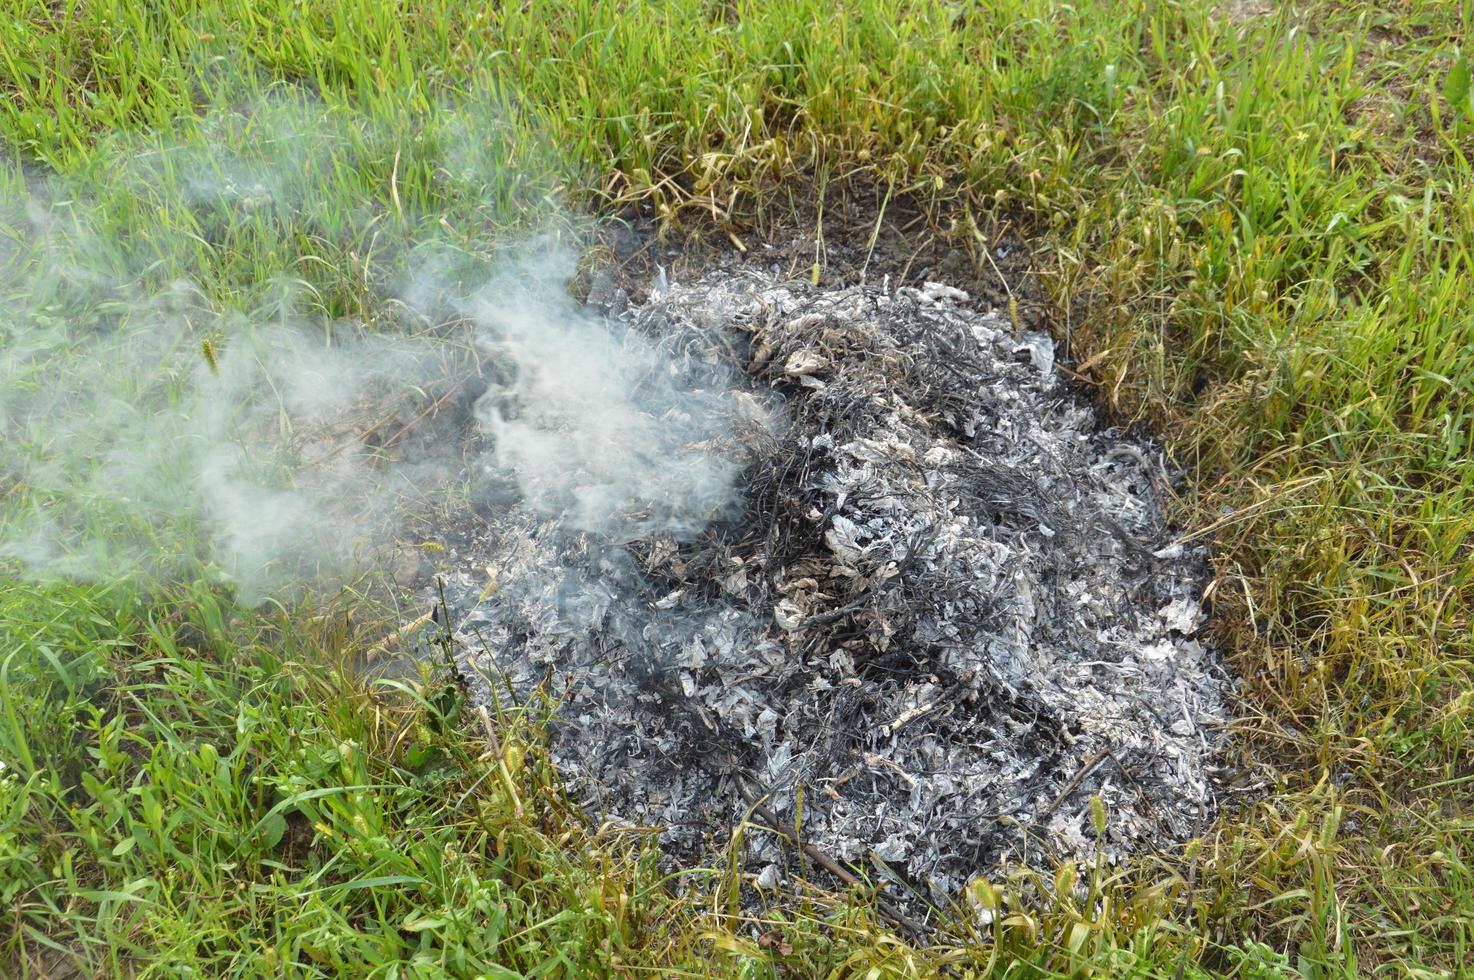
(941, 612)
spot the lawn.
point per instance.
(1252, 230)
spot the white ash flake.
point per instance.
(948, 592)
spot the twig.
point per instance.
(946, 699)
(435, 406)
(887, 908)
(881, 761)
(409, 627)
(910, 714)
(1192, 880)
(1074, 782)
(501, 761)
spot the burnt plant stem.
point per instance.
(886, 907)
(1074, 783)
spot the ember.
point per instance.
(947, 614)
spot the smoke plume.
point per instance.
(589, 421)
(248, 353)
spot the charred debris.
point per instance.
(939, 612)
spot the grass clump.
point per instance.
(1254, 228)
(210, 796)
(215, 794)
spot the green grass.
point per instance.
(175, 808)
(1256, 233)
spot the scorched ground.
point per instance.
(939, 610)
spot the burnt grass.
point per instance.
(942, 613)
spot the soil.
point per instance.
(856, 235)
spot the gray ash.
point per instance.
(947, 610)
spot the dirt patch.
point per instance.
(856, 236)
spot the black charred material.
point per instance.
(948, 596)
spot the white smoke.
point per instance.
(158, 433)
(592, 422)
(177, 399)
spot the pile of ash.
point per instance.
(945, 612)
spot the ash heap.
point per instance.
(940, 611)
